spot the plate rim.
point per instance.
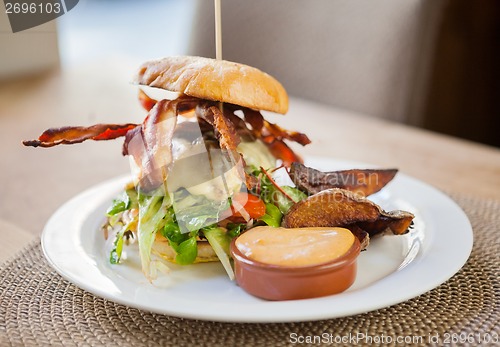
(461, 255)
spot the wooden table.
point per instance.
(37, 181)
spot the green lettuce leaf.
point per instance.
(152, 211)
(220, 241)
(273, 216)
(116, 252)
(234, 230)
(284, 203)
(120, 204)
(184, 245)
(270, 194)
(195, 212)
(125, 201)
(187, 251)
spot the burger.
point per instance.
(202, 163)
(204, 169)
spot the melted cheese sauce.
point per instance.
(202, 169)
(295, 247)
(207, 172)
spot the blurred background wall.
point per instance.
(429, 63)
(28, 51)
(463, 98)
(371, 57)
(129, 30)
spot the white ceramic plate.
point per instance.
(392, 270)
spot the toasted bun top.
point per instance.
(217, 80)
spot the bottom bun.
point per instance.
(162, 248)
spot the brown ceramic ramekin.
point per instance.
(275, 282)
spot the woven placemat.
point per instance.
(38, 307)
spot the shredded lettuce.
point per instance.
(116, 252)
(182, 217)
(152, 210)
(133, 198)
(220, 241)
(195, 212)
(115, 220)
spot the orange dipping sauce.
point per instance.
(290, 264)
(295, 247)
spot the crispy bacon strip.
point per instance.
(240, 125)
(280, 133)
(150, 144)
(228, 137)
(280, 150)
(147, 102)
(224, 129)
(273, 135)
(255, 119)
(76, 134)
(263, 128)
(228, 128)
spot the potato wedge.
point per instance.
(363, 182)
(331, 207)
(341, 208)
(397, 222)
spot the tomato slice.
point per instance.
(252, 205)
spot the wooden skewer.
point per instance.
(218, 37)
(218, 30)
